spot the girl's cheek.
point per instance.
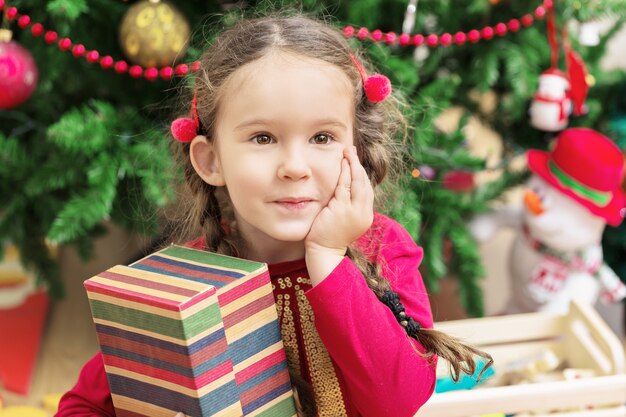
(333, 168)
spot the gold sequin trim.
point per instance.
(326, 387)
(288, 332)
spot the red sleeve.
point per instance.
(91, 395)
(384, 373)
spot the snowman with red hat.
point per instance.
(551, 105)
(574, 192)
(559, 94)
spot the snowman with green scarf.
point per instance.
(574, 192)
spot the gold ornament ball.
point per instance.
(154, 33)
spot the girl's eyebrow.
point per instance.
(330, 122)
(253, 122)
(264, 122)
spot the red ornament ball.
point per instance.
(18, 74)
(459, 181)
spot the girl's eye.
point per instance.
(322, 138)
(262, 139)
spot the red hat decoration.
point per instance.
(587, 167)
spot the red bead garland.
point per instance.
(23, 22)
(527, 20)
(11, 13)
(50, 37)
(37, 29)
(106, 62)
(65, 44)
(391, 38)
(93, 57)
(135, 71)
(445, 39)
(121, 67)
(514, 25)
(78, 50)
(473, 36)
(459, 38)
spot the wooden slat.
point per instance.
(602, 336)
(600, 391)
(505, 329)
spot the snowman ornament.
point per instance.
(551, 106)
(556, 257)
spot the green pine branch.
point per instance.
(83, 211)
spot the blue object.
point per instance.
(465, 381)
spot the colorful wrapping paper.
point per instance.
(191, 331)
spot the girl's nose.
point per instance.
(533, 203)
(294, 165)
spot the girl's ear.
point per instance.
(205, 161)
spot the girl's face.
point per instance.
(282, 124)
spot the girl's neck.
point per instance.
(264, 249)
(276, 253)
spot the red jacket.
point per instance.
(369, 363)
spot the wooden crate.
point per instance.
(581, 338)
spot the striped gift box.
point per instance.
(191, 331)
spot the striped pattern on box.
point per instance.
(191, 331)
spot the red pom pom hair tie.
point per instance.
(184, 129)
(377, 86)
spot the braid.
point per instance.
(460, 356)
(217, 240)
(212, 214)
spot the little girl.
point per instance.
(288, 136)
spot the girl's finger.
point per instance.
(344, 184)
(356, 169)
(358, 175)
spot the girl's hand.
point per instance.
(349, 213)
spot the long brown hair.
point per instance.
(380, 133)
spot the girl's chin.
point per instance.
(291, 237)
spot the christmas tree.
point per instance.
(90, 144)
